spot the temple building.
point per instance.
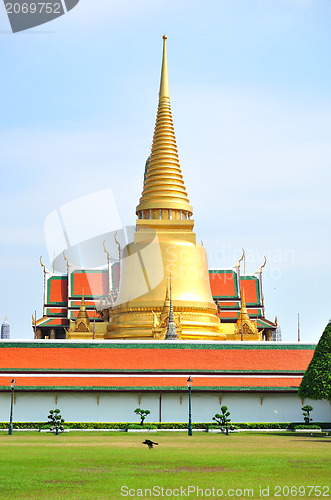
(131, 333)
(130, 299)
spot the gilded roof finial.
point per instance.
(118, 246)
(41, 263)
(243, 315)
(243, 301)
(167, 292)
(244, 322)
(105, 249)
(82, 310)
(263, 265)
(65, 258)
(82, 322)
(242, 258)
(171, 313)
(171, 333)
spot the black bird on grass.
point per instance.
(149, 443)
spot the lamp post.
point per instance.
(189, 385)
(12, 386)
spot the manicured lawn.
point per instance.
(96, 465)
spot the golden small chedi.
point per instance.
(164, 248)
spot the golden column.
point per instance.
(164, 245)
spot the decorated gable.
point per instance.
(56, 290)
(224, 283)
(251, 284)
(93, 283)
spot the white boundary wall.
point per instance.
(120, 406)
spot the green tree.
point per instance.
(223, 419)
(143, 414)
(316, 382)
(306, 413)
(55, 421)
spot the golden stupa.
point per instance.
(81, 327)
(164, 250)
(245, 329)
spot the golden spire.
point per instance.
(244, 324)
(243, 311)
(166, 305)
(164, 83)
(164, 186)
(171, 333)
(82, 311)
(167, 293)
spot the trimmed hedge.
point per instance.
(22, 425)
(143, 427)
(164, 425)
(321, 425)
(306, 427)
(262, 425)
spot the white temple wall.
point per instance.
(119, 407)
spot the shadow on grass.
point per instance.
(301, 435)
(317, 440)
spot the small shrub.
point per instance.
(306, 413)
(143, 414)
(55, 421)
(223, 420)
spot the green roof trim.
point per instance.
(152, 388)
(51, 318)
(264, 324)
(116, 371)
(263, 346)
(226, 307)
(56, 315)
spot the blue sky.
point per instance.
(251, 100)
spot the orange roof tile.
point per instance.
(100, 356)
(223, 283)
(92, 282)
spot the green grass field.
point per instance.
(95, 465)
